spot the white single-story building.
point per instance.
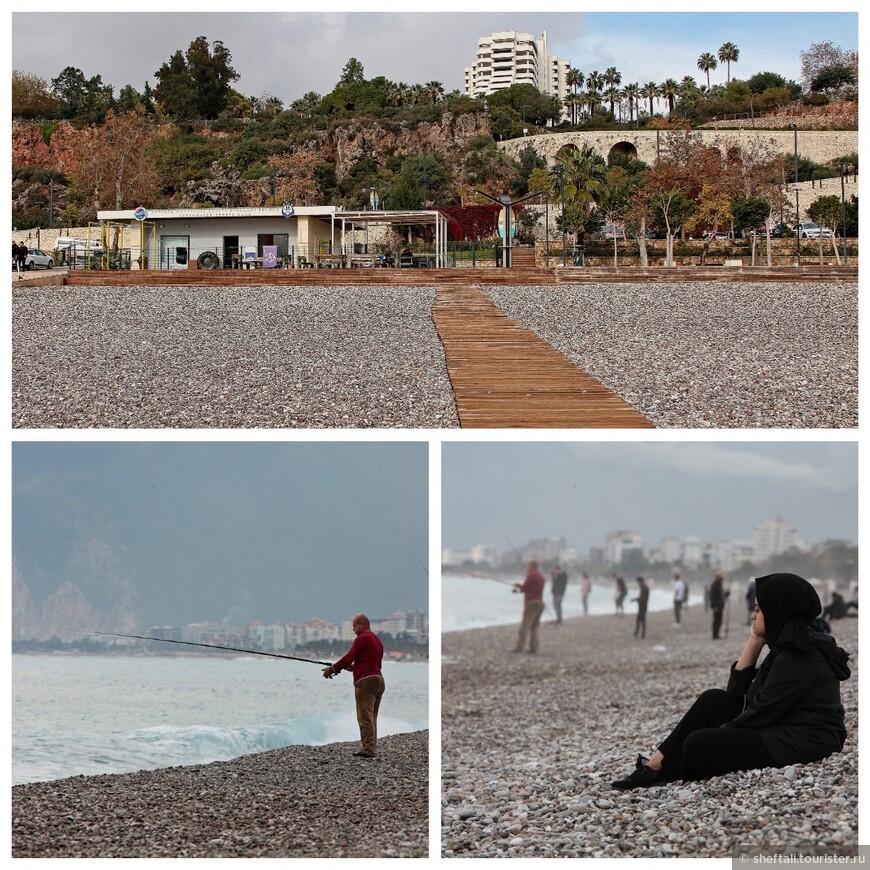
(272, 237)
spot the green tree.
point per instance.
(650, 91)
(832, 78)
(31, 97)
(196, 84)
(670, 90)
(827, 211)
(728, 54)
(351, 72)
(79, 97)
(582, 174)
(706, 62)
(761, 81)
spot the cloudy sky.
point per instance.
(506, 494)
(226, 531)
(287, 53)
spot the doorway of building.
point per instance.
(174, 252)
(231, 249)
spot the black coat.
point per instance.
(793, 700)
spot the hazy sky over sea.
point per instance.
(195, 531)
(288, 53)
(508, 493)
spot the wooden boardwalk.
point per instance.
(505, 376)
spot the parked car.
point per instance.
(35, 258)
(715, 235)
(609, 231)
(814, 231)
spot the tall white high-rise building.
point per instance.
(773, 537)
(511, 58)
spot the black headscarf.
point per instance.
(789, 604)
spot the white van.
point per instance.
(79, 245)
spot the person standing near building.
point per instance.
(679, 598)
(717, 603)
(533, 606)
(558, 581)
(585, 589)
(642, 603)
(364, 659)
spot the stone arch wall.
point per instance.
(817, 145)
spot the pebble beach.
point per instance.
(531, 744)
(742, 355)
(228, 357)
(685, 355)
(296, 802)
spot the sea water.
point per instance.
(476, 602)
(91, 714)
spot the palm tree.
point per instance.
(650, 91)
(612, 95)
(706, 62)
(436, 91)
(594, 81)
(631, 92)
(574, 79)
(670, 90)
(585, 176)
(612, 78)
(729, 53)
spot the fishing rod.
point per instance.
(253, 652)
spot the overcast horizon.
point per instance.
(507, 494)
(225, 531)
(305, 51)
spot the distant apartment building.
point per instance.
(774, 537)
(267, 637)
(619, 544)
(544, 549)
(511, 58)
(313, 630)
(729, 555)
(414, 623)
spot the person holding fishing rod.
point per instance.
(533, 607)
(364, 660)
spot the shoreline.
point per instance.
(298, 801)
(530, 745)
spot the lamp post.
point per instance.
(562, 197)
(797, 206)
(843, 204)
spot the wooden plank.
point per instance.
(505, 376)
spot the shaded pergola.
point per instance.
(356, 221)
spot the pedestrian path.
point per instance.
(505, 376)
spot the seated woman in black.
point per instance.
(786, 712)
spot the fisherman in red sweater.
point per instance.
(533, 592)
(364, 659)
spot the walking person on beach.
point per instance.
(717, 597)
(585, 589)
(679, 598)
(558, 582)
(621, 592)
(533, 606)
(785, 712)
(642, 602)
(364, 659)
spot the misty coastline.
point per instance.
(530, 745)
(298, 801)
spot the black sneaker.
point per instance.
(641, 777)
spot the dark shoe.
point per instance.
(365, 755)
(641, 777)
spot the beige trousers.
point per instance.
(368, 692)
(529, 626)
